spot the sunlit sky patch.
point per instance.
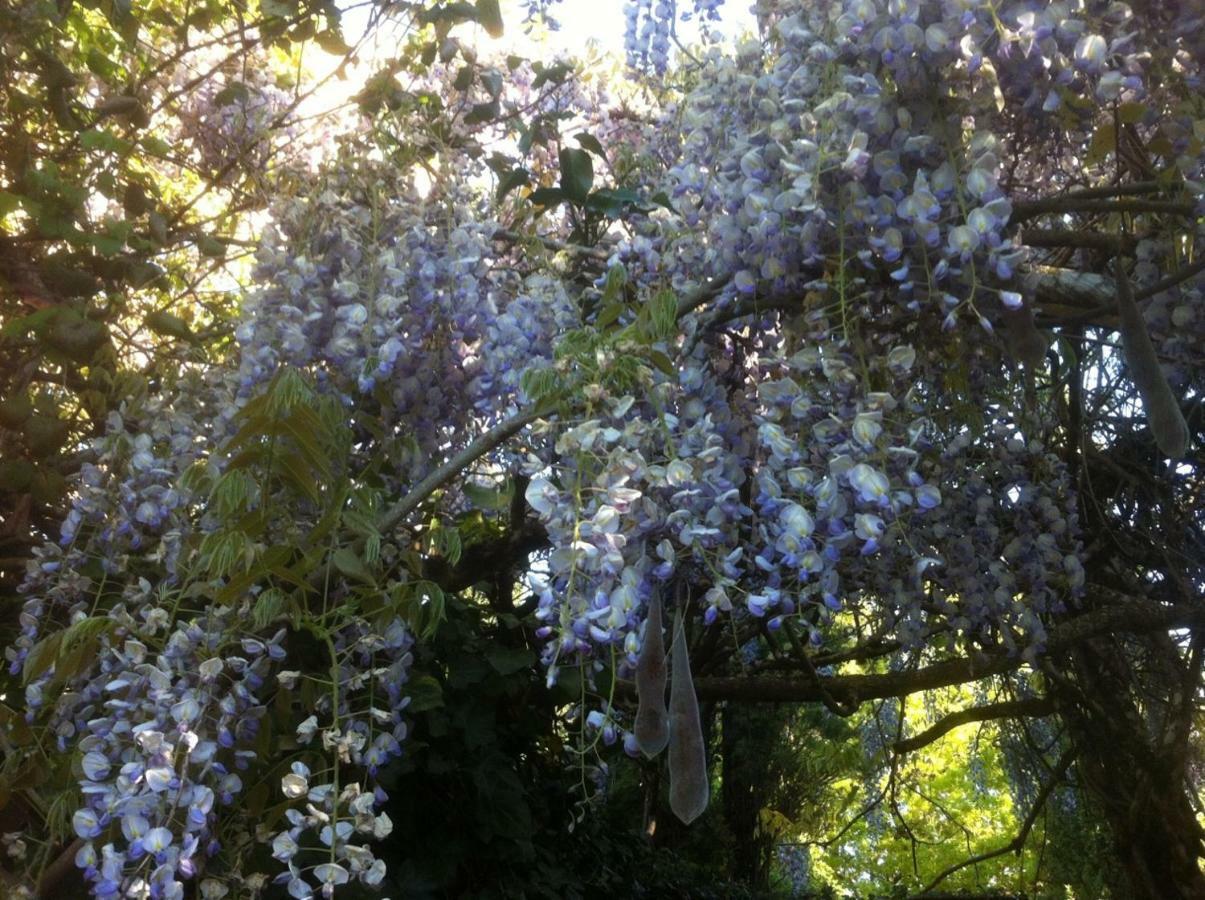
(587, 28)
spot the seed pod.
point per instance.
(652, 720)
(1025, 343)
(688, 787)
(1162, 411)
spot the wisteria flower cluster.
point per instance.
(392, 301)
(161, 705)
(234, 122)
(786, 489)
(163, 738)
(317, 847)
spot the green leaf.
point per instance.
(591, 143)
(426, 608)
(349, 564)
(211, 247)
(609, 315)
(156, 146)
(1131, 113)
(508, 660)
(446, 542)
(269, 606)
(294, 470)
(491, 80)
(577, 173)
(41, 657)
(8, 203)
(106, 245)
(611, 202)
(23, 325)
(662, 199)
(100, 64)
(513, 179)
(554, 74)
(490, 17)
(613, 287)
(1104, 141)
(450, 13)
(331, 40)
(547, 196)
(662, 313)
(491, 498)
(234, 92)
(540, 383)
(662, 362)
(483, 112)
(425, 694)
(162, 322)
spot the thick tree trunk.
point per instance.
(1132, 755)
(748, 737)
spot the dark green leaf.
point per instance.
(508, 660)
(211, 246)
(511, 180)
(8, 203)
(234, 92)
(491, 498)
(554, 74)
(483, 112)
(491, 80)
(331, 40)
(547, 196)
(425, 694)
(591, 143)
(449, 14)
(577, 173)
(162, 322)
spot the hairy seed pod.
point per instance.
(652, 720)
(688, 787)
(1162, 411)
(1025, 343)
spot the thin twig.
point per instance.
(1018, 842)
(476, 448)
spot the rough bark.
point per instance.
(1135, 764)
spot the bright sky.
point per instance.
(603, 21)
(582, 22)
(585, 24)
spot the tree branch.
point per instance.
(1067, 237)
(1063, 293)
(1017, 843)
(1113, 190)
(1035, 707)
(509, 236)
(1030, 209)
(476, 448)
(1123, 615)
(1172, 280)
(59, 868)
